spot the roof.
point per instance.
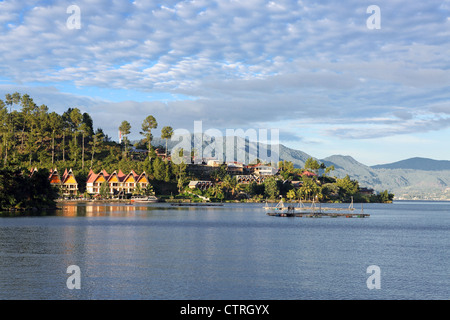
(121, 175)
(52, 172)
(92, 176)
(194, 182)
(309, 174)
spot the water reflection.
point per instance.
(102, 209)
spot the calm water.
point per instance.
(232, 252)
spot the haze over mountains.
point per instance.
(414, 178)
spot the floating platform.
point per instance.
(318, 214)
(314, 211)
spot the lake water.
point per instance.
(233, 252)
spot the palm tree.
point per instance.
(229, 183)
(291, 194)
(307, 187)
(166, 133)
(124, 129)
(147, 126)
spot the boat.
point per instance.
(144, 199)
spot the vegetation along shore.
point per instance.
(46, 156)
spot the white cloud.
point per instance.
(242, 63)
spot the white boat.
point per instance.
(144, 199)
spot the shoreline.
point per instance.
(226, 201)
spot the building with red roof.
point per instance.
(117, 182)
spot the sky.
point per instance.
(334, 77)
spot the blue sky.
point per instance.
(312, 69)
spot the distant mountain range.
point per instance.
(415, 178)
(417, 164)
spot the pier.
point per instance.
(314, 211)
(318, 214)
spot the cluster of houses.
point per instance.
(117, 183)
(67, 182)
(243, 173)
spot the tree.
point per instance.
(347, 187)
(329, 169)
(167, 173)
(312, 164)
(74, 119)
(166, 133)
(96, 142)
(159, 169)
(307, 187)
(55, 125)
(229, 184)
(147, 126)
(19, 190)
(219, 173)
(385, 196)
(124, 129)
(271, 189)
(28, 110)
(104, 189)
(3, 127)
(215, 192)
(10, 100)
(180, 172)
(291, 194)
(137, 190)
(86, 130)
(30, 128)
(148, 191)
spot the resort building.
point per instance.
(117, 183)
(67, 183)
(235, 168)
(250, 178)
(54, 177)
(264, 170)
(202, 185)
(214, 163)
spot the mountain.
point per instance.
(417, 164)
(344, 165)
(415, 178)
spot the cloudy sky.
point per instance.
(316, 70)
